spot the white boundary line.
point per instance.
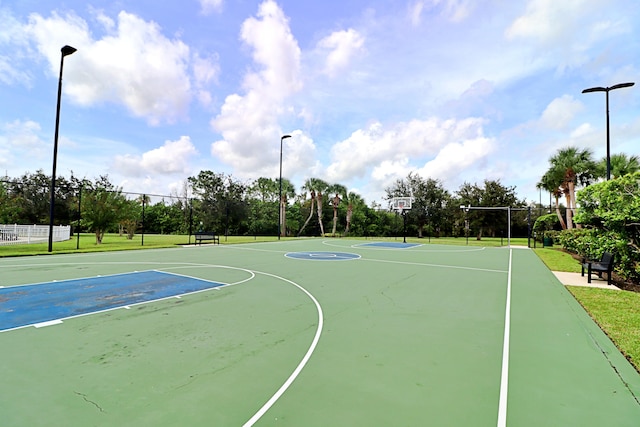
(370, 248)
(378, 245)
(504, 377)
(453, 267)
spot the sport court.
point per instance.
(304, 333)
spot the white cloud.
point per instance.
(342, 46)
(457, 156)
(208, 6)
(206, 72)
(560, 112)
(582, 130)
(20, 141)
(565, 34)
(134, 64)
(12, 35)
(551, 21)
(172, 158)
(415, 13)
(387, 172)
(249, 123)
(453, 10)
(414, 140)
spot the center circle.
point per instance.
(322, 256)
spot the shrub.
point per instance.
(591, 243)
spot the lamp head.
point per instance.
(67, 50)
(595, 89)
(285, 136)
(621, 85)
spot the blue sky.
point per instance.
(457, 90)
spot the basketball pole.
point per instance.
(404, 225)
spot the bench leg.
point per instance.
(589, 274)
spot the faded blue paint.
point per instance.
(32, 304)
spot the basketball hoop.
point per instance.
(401, 204)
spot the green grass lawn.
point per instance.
(115, 242)
(558, 260)
(616, 312)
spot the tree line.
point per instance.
(220, 203)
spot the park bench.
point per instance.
(8, 235)
(205, 235)
(604, 265)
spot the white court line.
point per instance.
(49, 323)
(373, 248)
(454, 267)
(302, 363)
(504, 377)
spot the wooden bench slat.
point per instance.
(206, 235)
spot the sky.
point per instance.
(369, 90)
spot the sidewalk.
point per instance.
(575, 279)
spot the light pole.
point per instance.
(66, 50)
(282, 138)
(606, 90)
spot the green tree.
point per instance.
(621, 164)
(340, 192)
(129, 215)
(576, 166)
(354, 200)
(221, 203)
(492, 194)
(262, 198)
(551, 181)
(429, 200)
(611, 209)
(101, 203)
(10, 211)
(315, 187)
(32, 192)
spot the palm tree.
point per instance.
(320, 186)
(621, 165)
(351, 198)
(339, 190)
(311, 211)
(551, 182)
(288, 191)
(315, 186)
(577, 168)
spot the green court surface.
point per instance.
(318, 333)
